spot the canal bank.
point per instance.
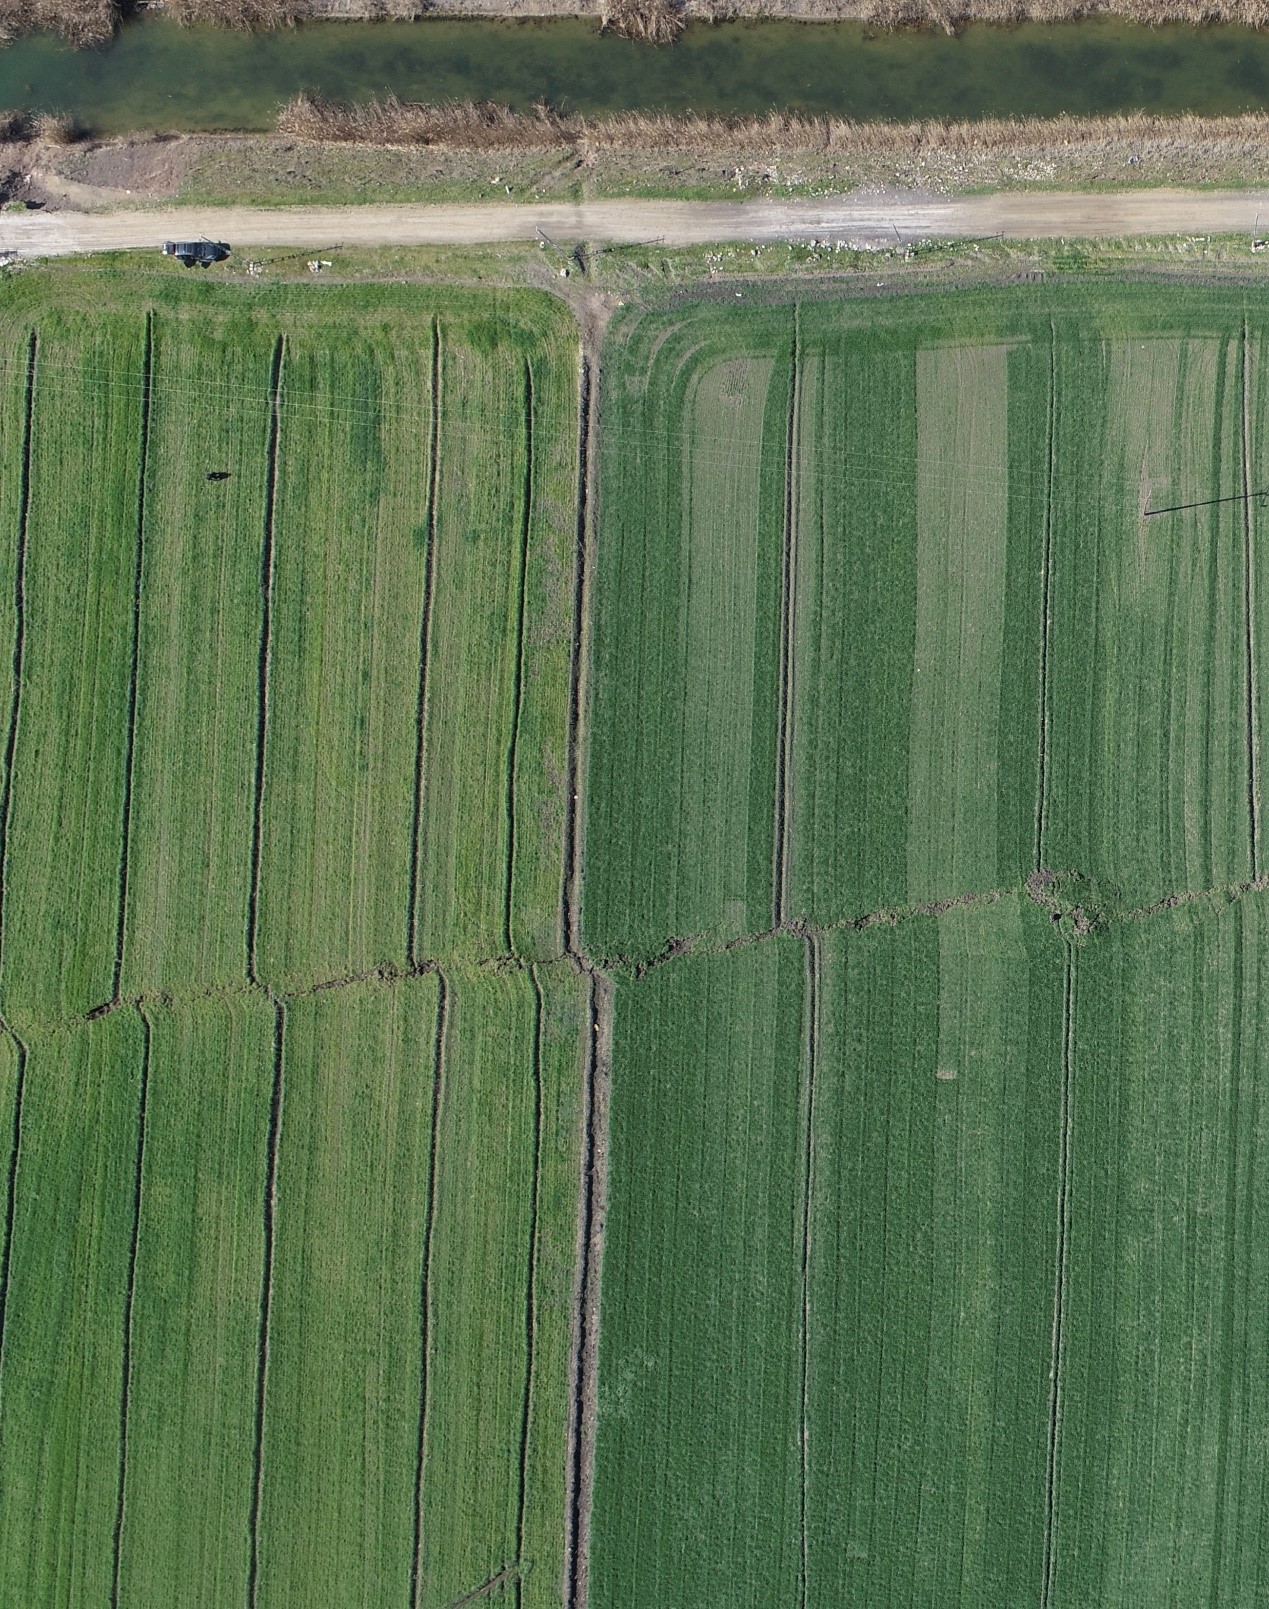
(157, 76)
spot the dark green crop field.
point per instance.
(925, 834)
(633, 984)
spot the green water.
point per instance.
(159, 76)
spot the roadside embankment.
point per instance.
(396, 152)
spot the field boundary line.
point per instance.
(587, 433)
(125, 1370)
(266, 1294)
(811, 1054)
(425, 1281)
(517, 685)
(1046, 623)
(266, 649)
(130, 741)
(580, 1481)
(530, 1292)
(425, 649)
(788, 586)
(1059, 1280)
(1249, 612)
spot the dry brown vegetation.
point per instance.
(248, 14)
(455, 125)
(83, 22)
(92, 22)
(656, 22)
(484, 126)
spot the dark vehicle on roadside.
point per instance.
(201, 252)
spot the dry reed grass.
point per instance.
(953, 14)
(656, 22)
(93, 22)
(483, 126)
(251, 15)
(82, 22)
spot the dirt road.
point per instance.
(898, 216)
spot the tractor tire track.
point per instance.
(517, 694)
(583, 1408)
(425, 1287)
(1249, 614)
(130, 748)
(425, 648)
(1046, 622)
(788, 588)
(530, 1290)
(1059, 1285)
(587, 431)
(811, 1054)
(125, 1395)
(266, 650)
(266, 1296)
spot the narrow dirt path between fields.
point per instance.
(873, 219)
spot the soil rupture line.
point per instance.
(1046, 624)
(1249, 614)
(517, 689)
(788, 586)
(425, 649)
(266, 649)
(1052, 1470)
(266, 1295)
(130, 748)
(813, 975)
(530, 1286)
(425, 1273)
(19, 633)
(585, 1346)
(11, 1197)
(125, 1372)
(6, 809)
(570, 914)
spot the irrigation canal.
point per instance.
(156, 75)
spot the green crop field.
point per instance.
(651, 1005)
(293, 1065)
(924, 833)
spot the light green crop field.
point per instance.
(690, 1036)
(294, 1065)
